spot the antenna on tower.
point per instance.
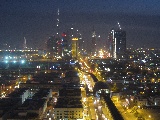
(58, 22)
(58, 11)
(93, 32)
(119, 25)
(25, 43)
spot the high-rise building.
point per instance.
(80, 41)
(52, 46)
(75, 37)
(117, 44)
(69, 35)
(58, 45)
(74, 48)
(65, 45)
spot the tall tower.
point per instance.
(93, 49)
(58, 37)
(117, 43)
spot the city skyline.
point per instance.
(36, 20)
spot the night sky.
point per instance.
(36, 20)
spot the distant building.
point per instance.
(51, 46)
(65, 45)
(74, 47)
(117, 44)
(74, 41)
(59, 47)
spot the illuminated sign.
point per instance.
(74, 38)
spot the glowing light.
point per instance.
(22, 61)
(74, 38)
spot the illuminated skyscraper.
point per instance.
(74, 48)
(65, 45)
(117, 44)
(74, 36)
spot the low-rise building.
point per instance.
(7, 105)
(157, 101)
(69, 105)
(141, 101)
(22, 93)
(30, 109)
(70, 108)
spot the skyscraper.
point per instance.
(51, 46)
(65, 45)
(74, 48)
(58, 44)
(117, 44)
(74, 38)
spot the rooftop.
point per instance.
(69, 102)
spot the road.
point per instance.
(124, 112)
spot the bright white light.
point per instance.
(22, 61)
(6, 57)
